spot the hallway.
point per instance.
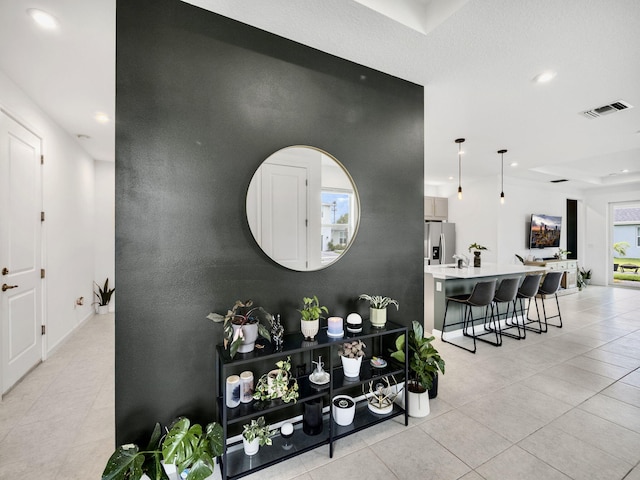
(561, 405)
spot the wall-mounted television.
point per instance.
(544, 231)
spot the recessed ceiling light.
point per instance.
(101, 117)
(450, 178)
(544, 77)
(626, 170)
(43, 19)
(514, 164)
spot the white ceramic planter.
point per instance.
(378, 316)
(310, 328)
(103, 309)
(418, 403)
(251, 448)
(343, 409)
(351, 366)
(250, 335)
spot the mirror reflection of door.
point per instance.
(302, 208)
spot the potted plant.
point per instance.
(562, 254)
(185, 447)
(310, 316)
(277, 384)
(378, 308)
(104, 296)
(476, 248)
(242, 325)
(255, 435)
(621, 249)
(351, 355)
(586, 275)
(424, 364)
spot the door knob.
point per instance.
(6, 287)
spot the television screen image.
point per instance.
(545, 231)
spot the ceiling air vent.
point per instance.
(559, 180)
(606, 109)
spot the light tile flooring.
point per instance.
(561, 405)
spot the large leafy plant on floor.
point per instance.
(424, 359)
(184, 445)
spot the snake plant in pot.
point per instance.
(424, 364)
(103, 294)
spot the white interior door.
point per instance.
(20, 250)
(284, 214)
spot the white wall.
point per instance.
(104, 237)
(503, 229)
(68, 197)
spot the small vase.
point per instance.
(250, 335)
(476, 259)
(351, 366)
(310, 328)
(378, 316)
(252, 447)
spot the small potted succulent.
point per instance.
(476, 248)
(378, 308)
(351, 355)
(255, 435)
(277, 384)
(242, 325)
(311, 314)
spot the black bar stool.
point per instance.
(550, 286)
(506, 293)
(481, 296)
(528, 290)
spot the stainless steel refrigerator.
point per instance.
(439, 242)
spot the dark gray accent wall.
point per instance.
(201, 101)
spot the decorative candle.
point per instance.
(246, 387)
(335, 327)
(233, 391)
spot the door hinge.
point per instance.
(42, 273)
(306, 222)
(43, 330)
(42, 216)
(41, 159)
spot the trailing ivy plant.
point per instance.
(278, 385)
(184, 445)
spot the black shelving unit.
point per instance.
(235, 464)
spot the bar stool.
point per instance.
(528, 290)
(550, 286)
(481, 296)
(506, 293)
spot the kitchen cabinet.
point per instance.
(234, 462)
(436, 208)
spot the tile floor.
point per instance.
(561, 405)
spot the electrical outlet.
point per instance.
(438, 286)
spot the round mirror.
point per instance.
(303, 208)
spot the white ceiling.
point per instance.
(476, 60)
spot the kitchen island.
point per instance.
(441, 281)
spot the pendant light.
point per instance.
(459, 142)
(502, 152)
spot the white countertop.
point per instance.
(486, 270)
